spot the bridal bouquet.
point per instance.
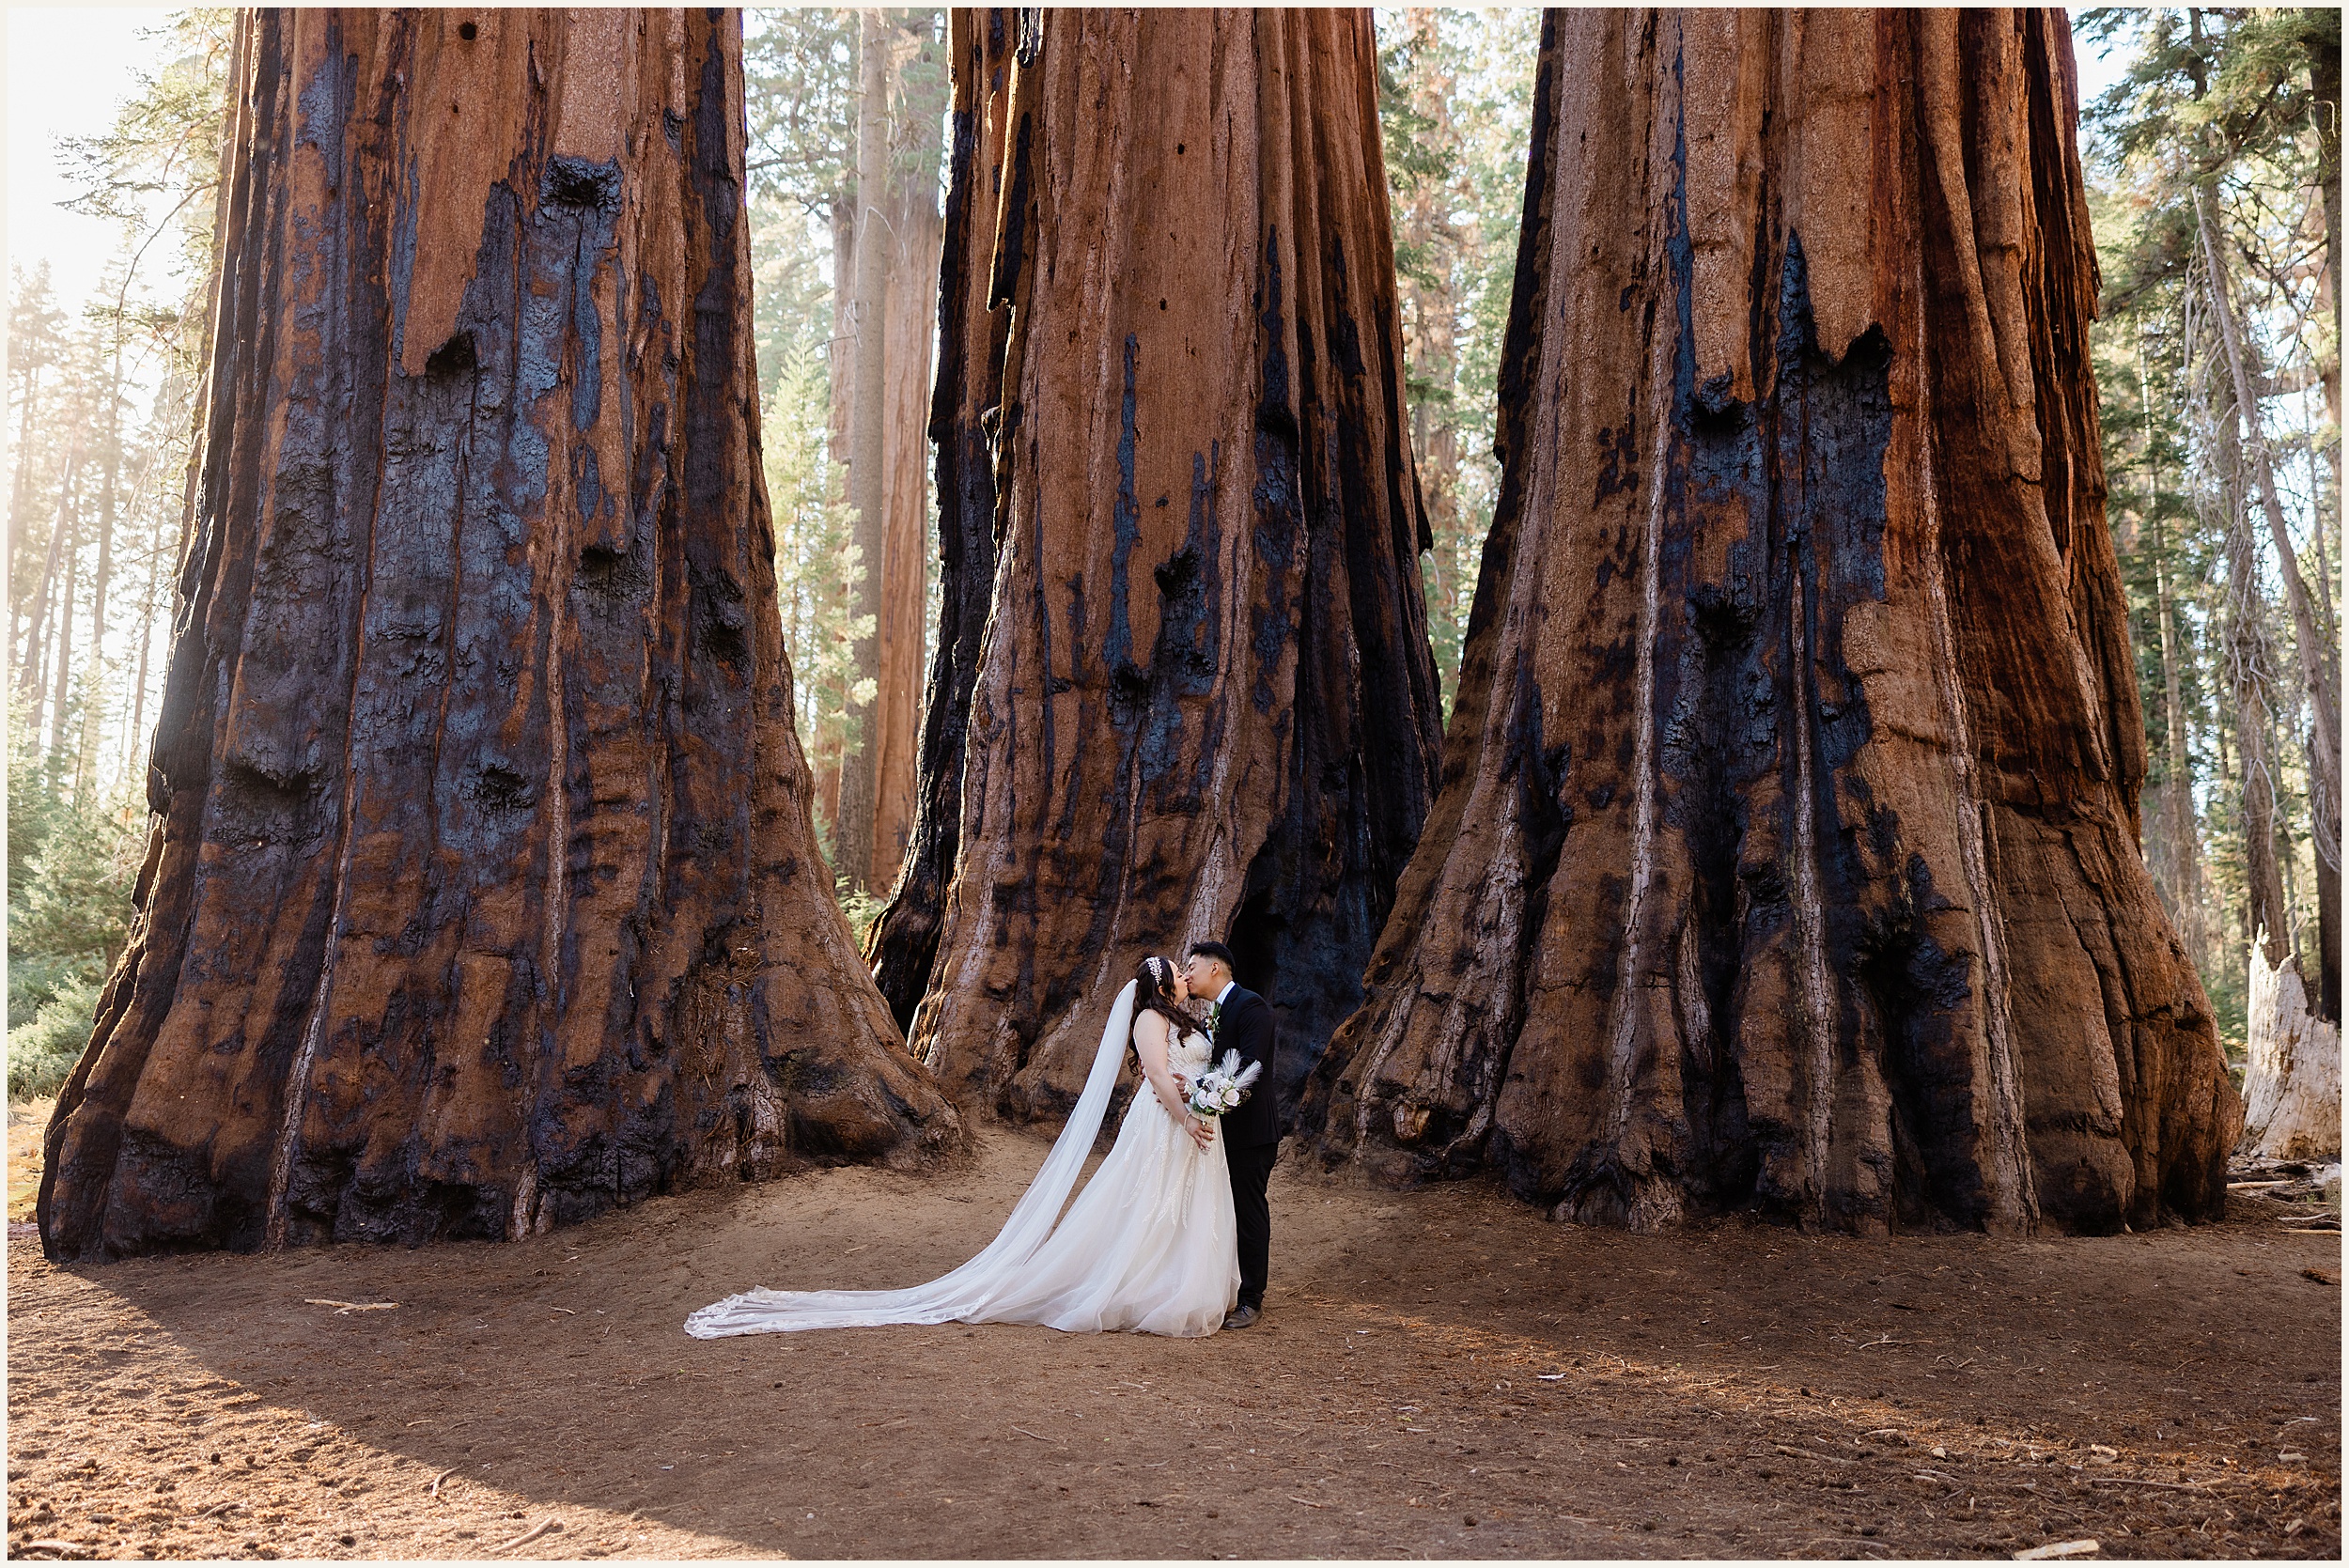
(1221, 1086)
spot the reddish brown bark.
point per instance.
(972, 330)
(1787, 855)
(867, 323)
(1203, 704)
(917, 234)
(484, 893)
(841, 384)
(898, 238)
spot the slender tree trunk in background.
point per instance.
(69, 520)
(85, 754)
(2319, 670)
(2324, 79)
(2176, 840)
(485, 895)
(868, 404)
(2250, 661)
(917, 232)
(1429, 307)
(33, 663)
(2328, 919)
(20, 510)
(1788, 853)
(2176, 828)
(133, 738)
(2320, 542)
(2233, 917)
(839, 383)
(1204, 705)
(974, 326)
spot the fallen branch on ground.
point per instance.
(541, 1527)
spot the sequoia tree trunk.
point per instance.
(867, 323)
(484, 894)
(840, 360)
(1203, 705)
(909, 321)
(1787, 857)
(973, 331)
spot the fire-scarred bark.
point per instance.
(1203, 704)
(483, 893)
(1787, 851)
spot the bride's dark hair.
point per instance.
(1154, 992)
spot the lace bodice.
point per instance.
(1190, 1052)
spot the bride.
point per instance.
(1150, 1245)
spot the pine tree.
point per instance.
(2220, 145)
(1455, 106)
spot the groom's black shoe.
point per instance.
(1242, 1316)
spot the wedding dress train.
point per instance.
(1150, 1245)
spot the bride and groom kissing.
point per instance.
(1172, 1234)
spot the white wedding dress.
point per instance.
(1150, 1245)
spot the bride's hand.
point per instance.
(1200, 1132)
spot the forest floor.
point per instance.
(1438, 1373)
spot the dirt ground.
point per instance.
(1438, 1374)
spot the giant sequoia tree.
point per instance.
(1787, 850)
(1198, 700)
(483, 893)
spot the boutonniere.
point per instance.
(1215, 1016)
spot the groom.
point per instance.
(1252, 1133)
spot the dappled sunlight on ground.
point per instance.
(1438, 1373)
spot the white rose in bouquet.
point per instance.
(1222, 1086)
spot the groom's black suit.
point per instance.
(1251, 1135)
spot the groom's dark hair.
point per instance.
(1216, 951)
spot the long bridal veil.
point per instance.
(996, 1268)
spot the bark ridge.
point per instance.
(483, 893)
(1787, 848)
(1186, 655)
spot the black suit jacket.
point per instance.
(1246, 1026)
